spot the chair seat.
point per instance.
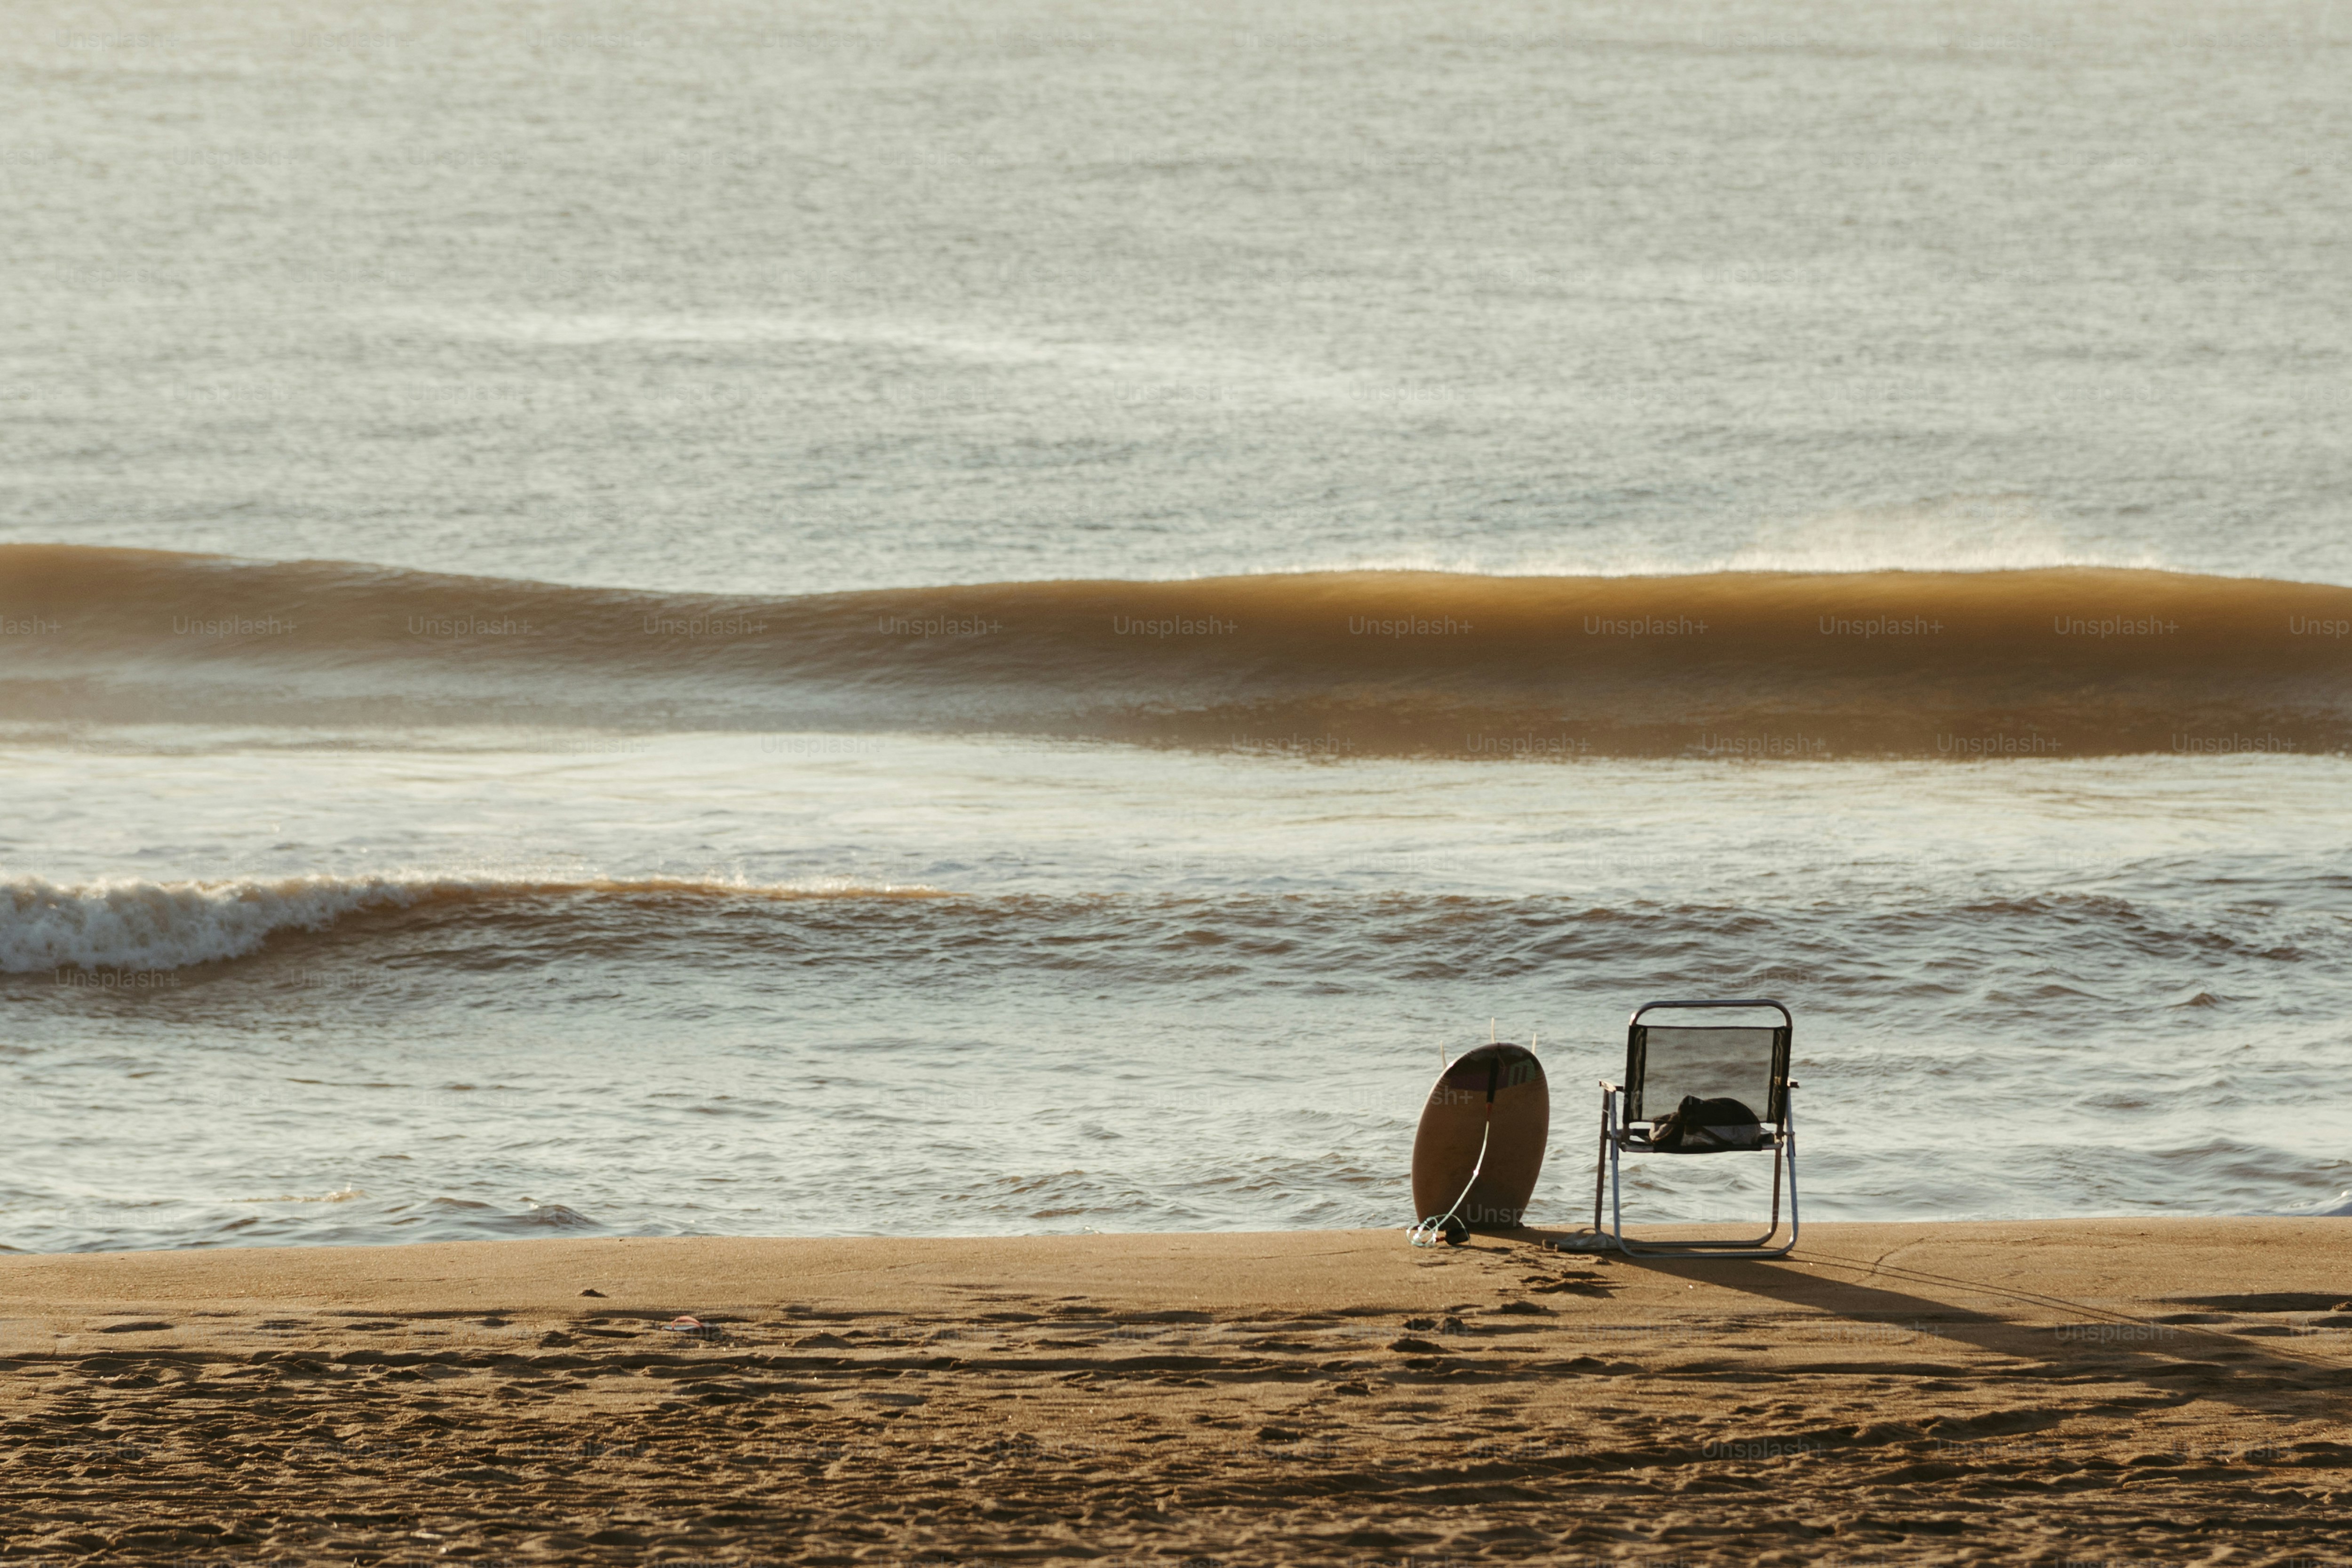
(1634, 1143)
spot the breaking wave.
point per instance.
(2048, 661)
(128, 925)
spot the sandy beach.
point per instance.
(2012, 1391)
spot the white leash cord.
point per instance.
(1431, 1231)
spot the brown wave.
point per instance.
(2065, 661)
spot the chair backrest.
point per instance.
(1746, 1062)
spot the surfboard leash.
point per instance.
(1440, 1227)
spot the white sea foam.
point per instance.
(1946, 533)
(1218, 374)
(340, 1195)
(128, 923)
(2338, 1208)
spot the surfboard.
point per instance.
(1501, 1086)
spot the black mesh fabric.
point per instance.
(1666, 1062)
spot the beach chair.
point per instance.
(1702, 1054)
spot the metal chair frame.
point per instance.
(1618, 1139)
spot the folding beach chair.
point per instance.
(1667, 1064)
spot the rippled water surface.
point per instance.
(735, 983)
(780, 296)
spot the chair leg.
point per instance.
(1757, 1247)
(1789, 1137)
(1617, 1195)
(1601, 1162)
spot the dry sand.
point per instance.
(2168, 1391)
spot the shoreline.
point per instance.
(1892, 1392)
(423, 1275)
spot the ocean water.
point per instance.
(787, 621)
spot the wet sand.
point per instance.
(2018, 1391)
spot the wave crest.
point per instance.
(134, 925)
(2059, 661)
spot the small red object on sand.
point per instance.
(684, 1325)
